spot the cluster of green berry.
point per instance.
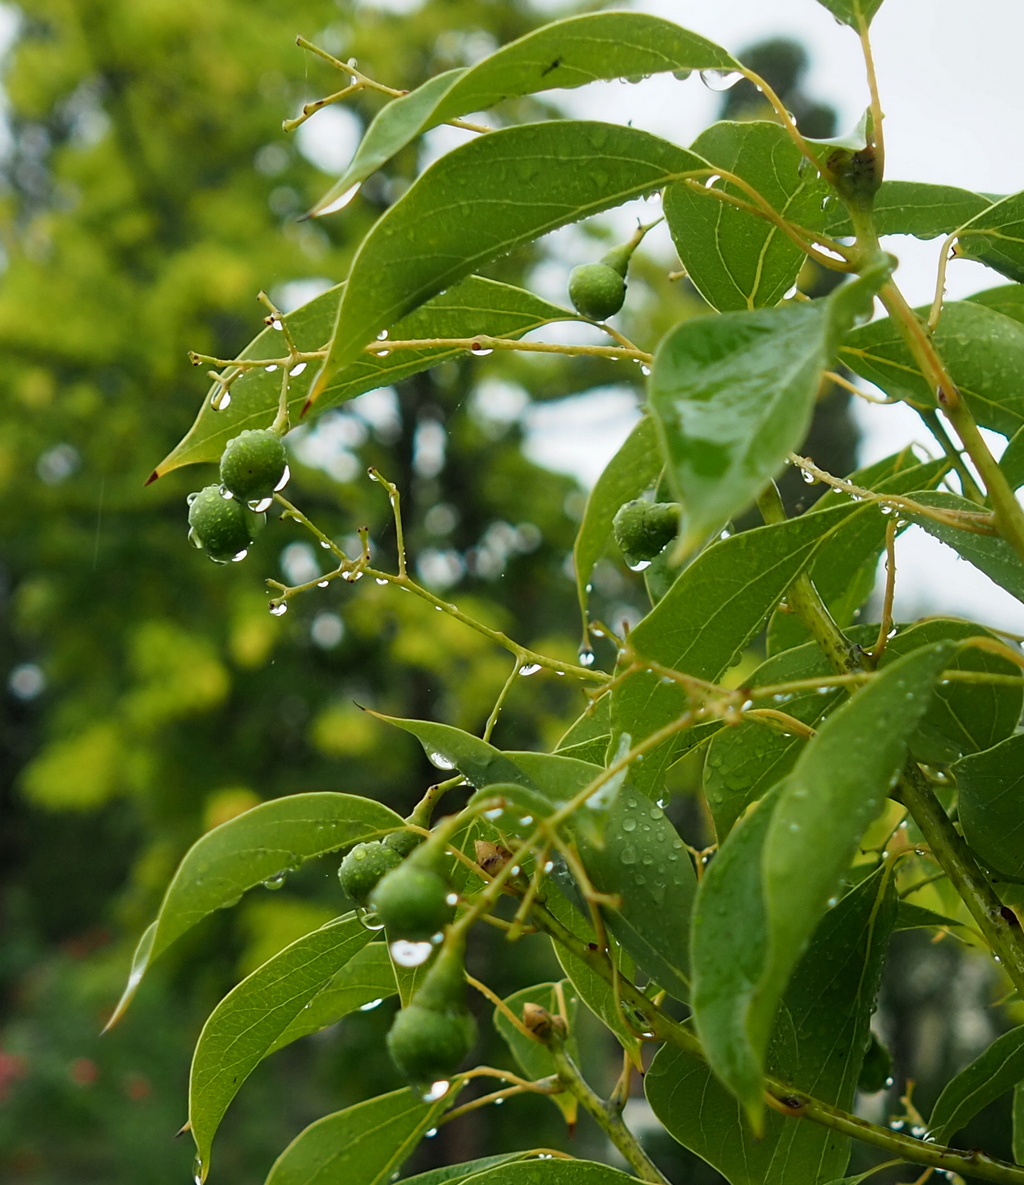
(402, 881)
(225, 518)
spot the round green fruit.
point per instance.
(596, 290)
(643, 529)
(412, 902)
(429, 1044)
(253, 464)
(222, 526)
(364, 866)
(404, 842)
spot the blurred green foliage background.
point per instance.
(147, 193)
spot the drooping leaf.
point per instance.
(264, 844)
(844, 570)
(733, 395)
(633, 469)
(473, 306)
(365, 980)
(810, 833)
(990, 789)
(735, 259)
(365, 1143)
(534, 1058)
(915, 208)
(988, 553)
(854, 13)
(247, 1023)
(995, 237)
(552, 1172)
(818, 1043)
(983, 349)
(482, 200)
(715, 607)
(990, 1075)
(561, 55)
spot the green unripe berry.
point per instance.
(412, 902)
(428, 1045)
(253, 464)
(364, 866)
(404, 842)
(222, 526)
(643, 529)
(430, 1038)
(596, 290)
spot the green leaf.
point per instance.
(963, 717)
(1012, 460)
(818, 1045)
(1018, 1123)
(820, 813)
(995, 237)
(552, 1172)
(712, 611)
(844, 569)
(855, 13)
(988, 553)
(640, 857)
(633, 469)
(733, 395)
(561, 55)
(455, 1174)
(365, 980)
(365, 1143)
(990, 1075)
(474, 306)
(482, 200)
(990, 785)
(913, 208)
(247, 1023)
(983, 349)
(261, 845)
(587, 737)
(916, 917)
(735, 259)
(535, 1059)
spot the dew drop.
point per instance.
(371, 1004)
(279, 610)
(285, 479)
(586, 657)
(479, 350)
(191, 498)
(194, 539)
(259, 505)
(629, 824)
(297, 369)
(341, 202)
(430, 1134)
(645, 370)
(720, 80)
(437, 1091)
(640, 565)
(440, 760)
(322, 583)
(410, 954)
(809, 478)
(226, 494)
(239, 556)
(275, 882)
(493, 814)
(270, 369)
(369, 919)
(221, 400)
(530, 668)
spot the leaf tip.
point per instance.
(152, 478)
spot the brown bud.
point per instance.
(544, 1025)
(491, 857)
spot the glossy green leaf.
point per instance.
(534, 1059)
(365, 1143)
(819, 814)
(735, 259)
(915, 917)
(983, 349)
(963, 717)
(990, 1075)
(915, 208)
(474, 306)
(365, 980)
(1018, 1123)
(247, 1023)
(263, 844)
(560, 55)
(482, 200)
(844, 570)
(988, 553)
(633, 469)
(733, 395)
(818, 1043)
(990, 789)
(552, 1172)
(455, 1174)
(1007, 299)
(641, 858)
(995, 237)
(715, 607)
(855, 13)
(1012, 460)
(587, 737)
